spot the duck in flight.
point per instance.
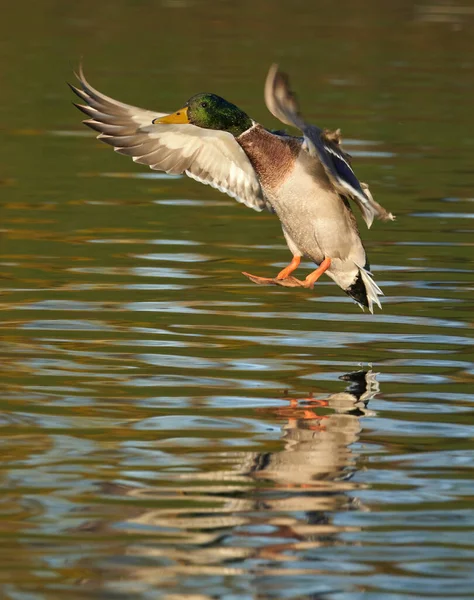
(307, 181)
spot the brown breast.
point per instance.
(272, 156)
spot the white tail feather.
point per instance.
(372, 289)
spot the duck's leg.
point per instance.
(286, 280)
(283, 278)
(315, 275)
(287, 271)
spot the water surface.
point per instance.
(168, 429)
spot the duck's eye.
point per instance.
(204, 104)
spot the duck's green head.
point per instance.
(210, 112)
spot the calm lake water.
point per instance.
(170, 430)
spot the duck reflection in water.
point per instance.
(314, 469)
(318, 434)
(273, 507)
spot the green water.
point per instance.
(170, 430)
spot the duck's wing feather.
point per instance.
(209, 156)
(283, 105)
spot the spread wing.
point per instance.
(209, 156)
(283, 105)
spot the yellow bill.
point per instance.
(180, 116)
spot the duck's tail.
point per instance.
(364, 290)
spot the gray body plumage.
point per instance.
(316, 221)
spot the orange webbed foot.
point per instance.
(287, 282)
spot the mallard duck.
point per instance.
(306, 181)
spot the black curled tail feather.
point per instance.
(364, 290)
(358, 292)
